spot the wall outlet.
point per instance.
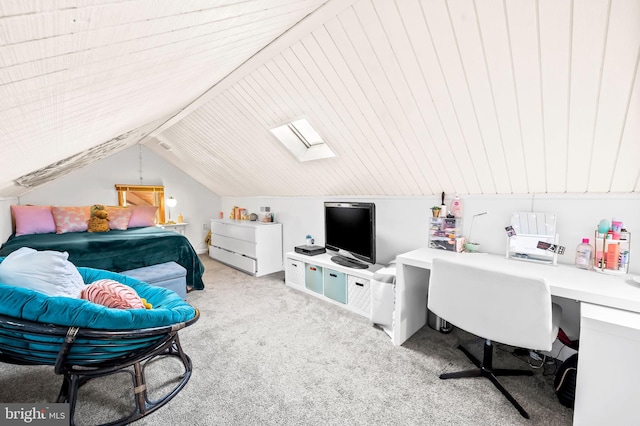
(205, 226)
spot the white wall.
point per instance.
(402, 222)
(5, 217)
(94, 184)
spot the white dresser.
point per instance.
(252, 247)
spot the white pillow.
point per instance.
(48, 272)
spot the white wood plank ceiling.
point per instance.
(414, 96)
(77, 73)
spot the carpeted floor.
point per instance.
(265, 354)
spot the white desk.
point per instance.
(610, 325)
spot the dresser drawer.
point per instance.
(243, 263)
(239, 232)
(247, 248)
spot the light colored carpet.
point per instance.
(265, 354)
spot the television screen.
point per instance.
(350, 227)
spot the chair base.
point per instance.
(485, 369)
(75, 377)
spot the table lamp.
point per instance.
(471, 246)
(171, 202)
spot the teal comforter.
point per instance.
(118, 250)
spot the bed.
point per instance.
(118, 250)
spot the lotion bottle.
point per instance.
(456, 207)
(584, 255)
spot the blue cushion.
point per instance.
(169, 275)
(157, 273)
(168, 307)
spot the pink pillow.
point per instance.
(112, 294)
(33, 220)
(119, 217)
(70, 219)
(143, 216)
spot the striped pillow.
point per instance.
(112, 294)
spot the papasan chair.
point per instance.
(84, 340)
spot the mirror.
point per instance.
(142, 195)
(533, 237)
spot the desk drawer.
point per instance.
(243, 263)
(239, 232)
(247, 248)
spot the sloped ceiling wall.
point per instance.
(75, 74)
(414, 96)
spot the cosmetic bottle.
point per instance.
(456, 207)
(584, 253)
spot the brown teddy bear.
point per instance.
(99, 221)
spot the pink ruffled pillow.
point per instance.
(71, 219)
(119, 217)
(112, 294)
(143, 216)
(33, 220)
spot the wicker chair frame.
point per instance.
(80, 355)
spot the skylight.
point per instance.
(304, 142)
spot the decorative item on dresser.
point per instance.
(252, 247)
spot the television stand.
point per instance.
(349, 263)
(340, 285)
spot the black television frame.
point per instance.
(360, 260)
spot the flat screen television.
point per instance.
(350, 230)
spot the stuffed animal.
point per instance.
(99, 221)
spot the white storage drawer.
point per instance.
(359, 294)
(323, 278)
(244, 263)
(239, 246)
(239, 232)
(294, 272)
(260, 243)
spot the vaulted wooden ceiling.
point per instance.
(415, 97)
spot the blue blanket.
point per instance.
(168, 307)
(118, 250)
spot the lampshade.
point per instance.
(171, 202)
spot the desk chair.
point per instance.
(508, 308)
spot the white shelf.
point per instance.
(358, 280)
(601, 245)
(178, 227)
